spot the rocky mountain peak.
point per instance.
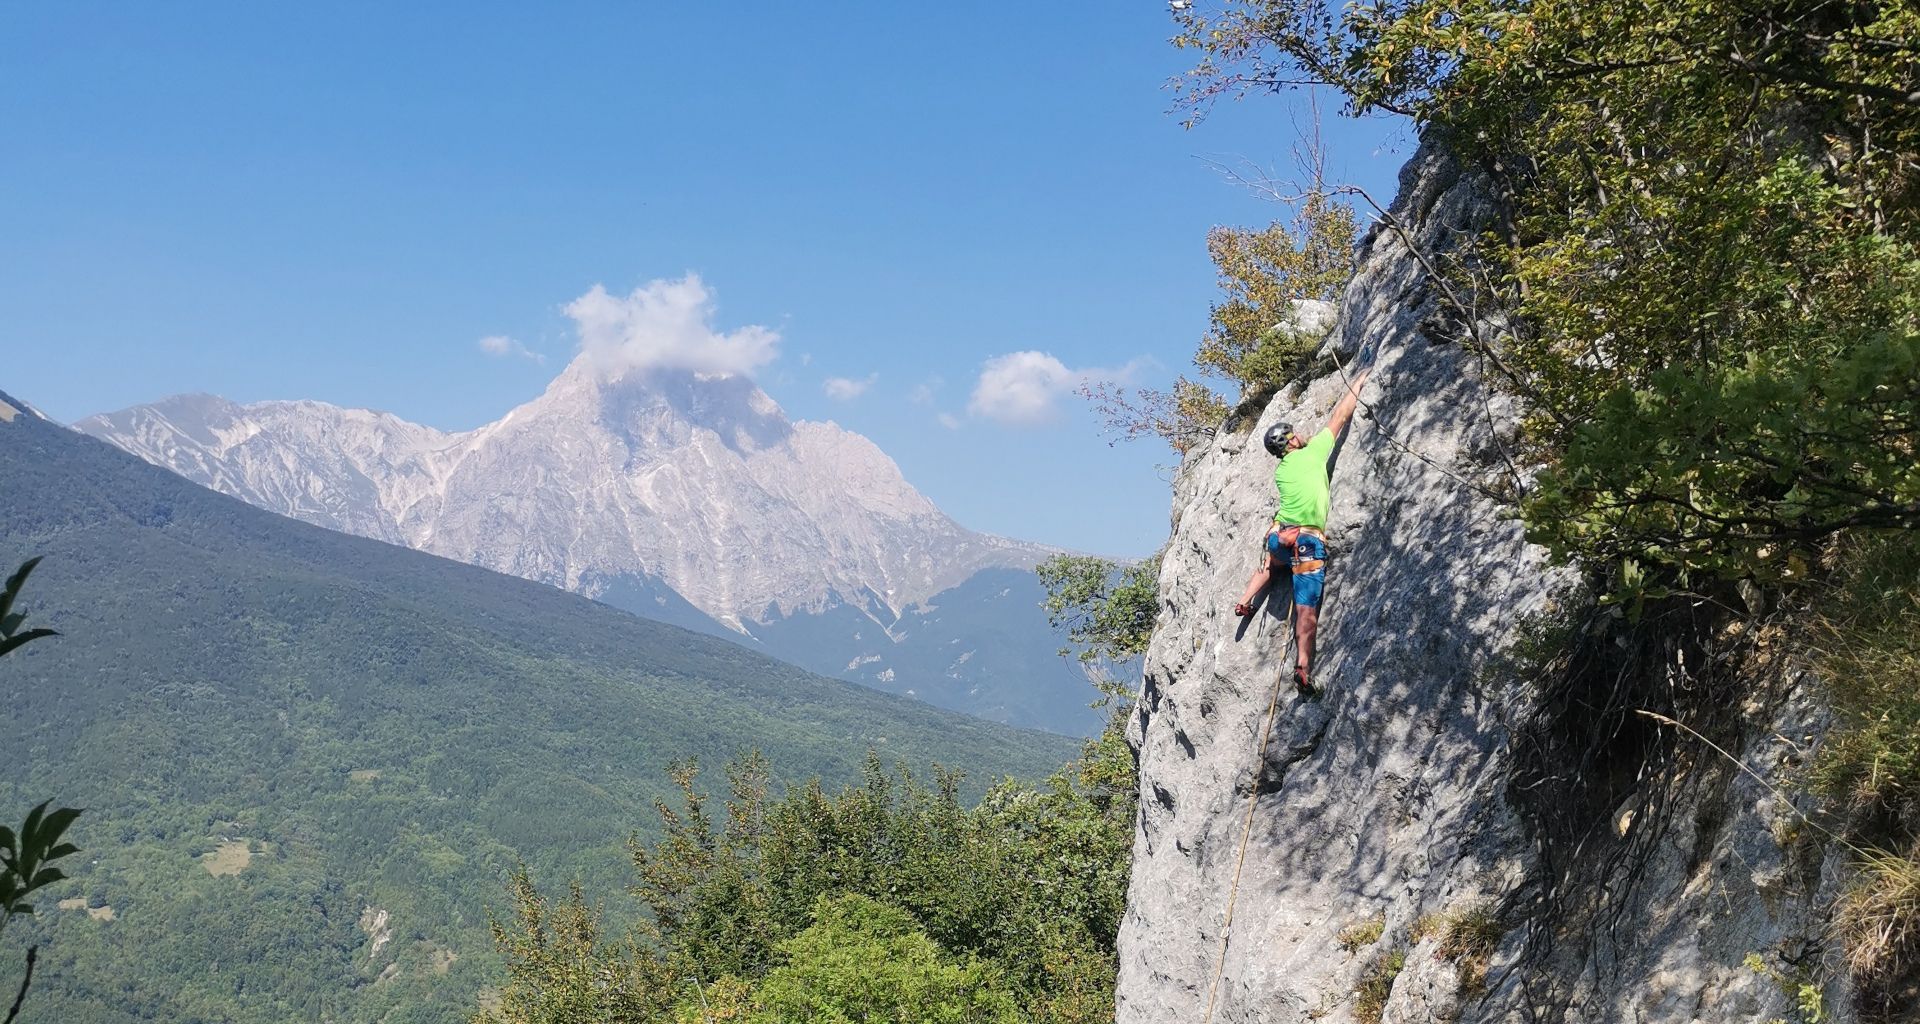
(663, 406)
(696, 479)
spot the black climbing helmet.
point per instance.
(1277, 438)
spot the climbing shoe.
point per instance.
(1301, 682)
(1243, 610)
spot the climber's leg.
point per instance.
(1262, 576)
(1305, 622)
(1309, 583)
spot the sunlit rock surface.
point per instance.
(1390, 796)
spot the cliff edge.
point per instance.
(1384, 814)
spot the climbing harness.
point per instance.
(1246, 830)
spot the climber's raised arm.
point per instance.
(1343, 412)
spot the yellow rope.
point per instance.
(1253, 797)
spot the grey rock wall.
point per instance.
(1387, 797)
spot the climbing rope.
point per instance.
(1246, 830)
(1388, 435)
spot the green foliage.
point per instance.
(27, 856)
(566, 971)
(1707, 251)
(1253, 339)
(12, 636)
(890, 894)
(1761, 393)
(1376, 985)
(395, 730)
(862, 960)
(1107, 611)
(1808, 1001)
(1182, 417)
(1355, 936)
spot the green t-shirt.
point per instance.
(1301, 477)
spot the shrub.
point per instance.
(1255, 339)
(1879, 915)
(1108, 611)
(1376, 985)
(863, 960)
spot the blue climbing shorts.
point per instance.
(1307, 557)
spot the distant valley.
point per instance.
(308, 760)
(684, 497)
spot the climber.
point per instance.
(1298, 530)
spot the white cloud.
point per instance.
(949, 421)
(501, 345)
(922, 393)
(846, 389)
(666, 324)
(1020, 388)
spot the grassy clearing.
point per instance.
(102, 913)
(441, 960)
(230, 858)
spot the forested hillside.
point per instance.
(310, 762)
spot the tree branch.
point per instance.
(33, 953)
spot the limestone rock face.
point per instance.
(1388, 797)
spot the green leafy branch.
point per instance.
(26, 856)
(12, 637)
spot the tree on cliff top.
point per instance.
(1254, 341)
(1707, 251)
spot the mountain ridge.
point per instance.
(639, 416)
(673, 494)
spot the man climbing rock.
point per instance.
(1299, 525)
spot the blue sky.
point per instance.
(341, 201)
